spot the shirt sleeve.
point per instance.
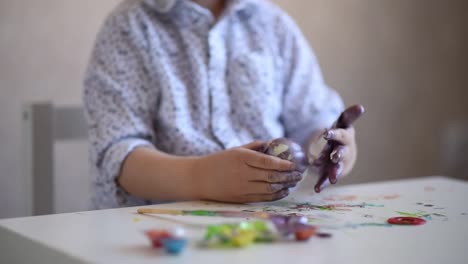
(118, 107)
(309, 104)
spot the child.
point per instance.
(180, 93)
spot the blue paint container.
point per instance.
(174, 245)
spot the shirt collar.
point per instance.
(186, 12)
(161, 6)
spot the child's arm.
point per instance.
(235, 175)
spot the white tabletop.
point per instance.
(360, 235)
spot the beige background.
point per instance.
(405, 60)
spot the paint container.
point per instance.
(304, 232)
(156, 236)
(174, 245)
(287, 224)
(239, 235)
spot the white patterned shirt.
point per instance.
(185, 83)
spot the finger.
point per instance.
(288, 185)
(255, 145)
(328, 175)
(253, 198)
(338, 154)
(324, 155)
(339, 135)
(263, 161)
(318, 163)
(275, 176)
(263, 188)
(322, 179)
(324, 185)
(350, 115)
(267, 188)
(333, 170)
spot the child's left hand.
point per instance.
(342, 156)
(339, 155)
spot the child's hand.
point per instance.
(244, 175)
(342, 156)
(339, 154)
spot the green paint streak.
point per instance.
(408, 214)
(201, 213)
(418, 214)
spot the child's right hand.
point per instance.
(244, 175)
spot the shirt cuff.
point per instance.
(111, 166)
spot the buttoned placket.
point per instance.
(214, 33)
(219, 98)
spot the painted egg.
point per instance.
(287, 149)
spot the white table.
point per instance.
(359, 235)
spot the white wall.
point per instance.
(44, 47)
(400, 58)
(404, 60)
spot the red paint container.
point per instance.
(156, 237)
(304, 232)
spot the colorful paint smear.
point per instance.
(429, 189)
(422, 214)
(333, 211)
(437, 214)
(239, 214)
(330, 207)
(352, 198)
(348, 198)
(370, 224)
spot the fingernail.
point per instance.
(335, 156)
(329, 135)
(298, 178)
